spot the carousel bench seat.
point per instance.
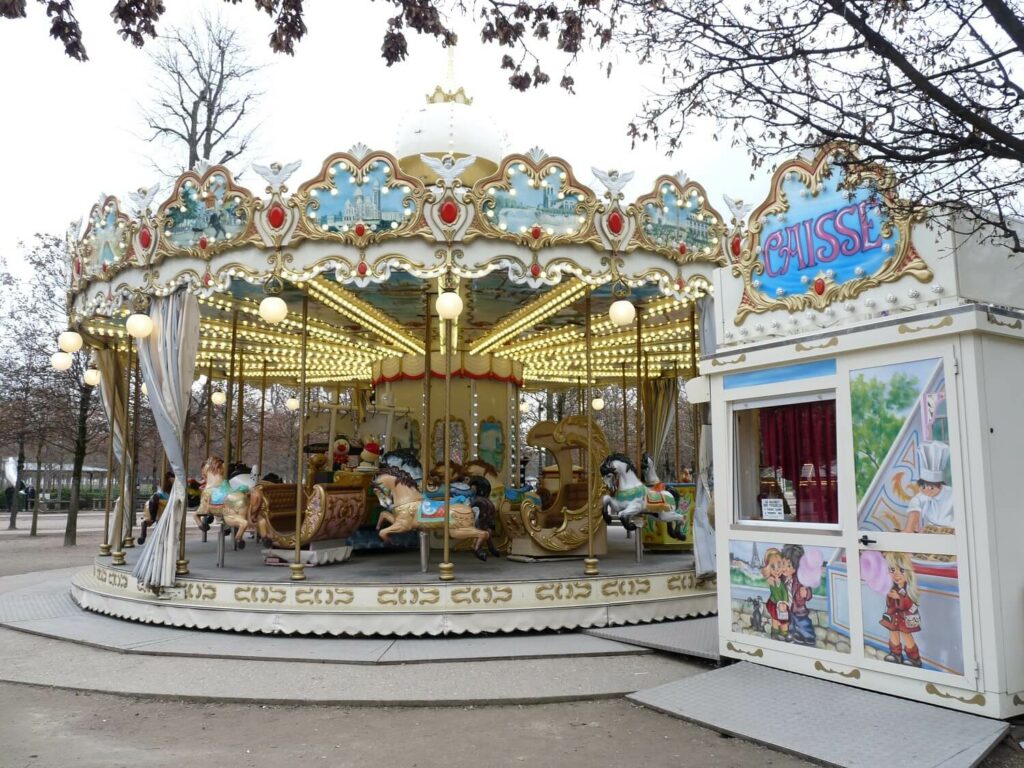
(330, 511)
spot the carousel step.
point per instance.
(689, 637)
(831, 723)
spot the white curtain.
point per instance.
(112, 392)
(706, 324)
(168, 361)
(660, 397)
(703, 531)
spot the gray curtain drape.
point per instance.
(167, 359)
(660, 397)
(703, 529)
(112, 392)
(706, 324)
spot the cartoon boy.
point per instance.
(778, 594)
(931, 510)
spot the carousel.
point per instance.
(410, 302)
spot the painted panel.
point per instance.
(371, 197)
(781, 373)
(784, 592)
(901, 448)
(206, 212)
(911, 609)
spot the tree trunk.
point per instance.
(38, 489)
(81, 445)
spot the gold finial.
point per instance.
(452, 94)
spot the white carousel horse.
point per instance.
(630, 497)
(405, 509)
(237, 501)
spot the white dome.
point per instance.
(448, 124)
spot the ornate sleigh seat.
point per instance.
(330, 511)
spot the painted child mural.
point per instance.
(902, 616)
(931, 509)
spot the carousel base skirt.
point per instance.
(386, 594)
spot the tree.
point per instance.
(40, 402)
(203, 97)
(879, 411)
(932, 89)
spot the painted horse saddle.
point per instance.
(431, 511)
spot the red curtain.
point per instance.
(799, 441)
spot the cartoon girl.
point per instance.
(901, 616)
(778, 595)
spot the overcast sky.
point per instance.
(72, 130)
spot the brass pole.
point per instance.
(625, 408)
(695, 410)
(118, 535)
(676, 409)
(447, 569)
(426, 437)
(181, 567)
(209, 410)
(129, 540)
(240, 416)
(263, 413)
(639, 390)
(298, 570)
(590, 564)
(105, 546)
(230, 391)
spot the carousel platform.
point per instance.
(385, 594)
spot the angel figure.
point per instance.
(613, 181)
(276, 174)
(448, 169)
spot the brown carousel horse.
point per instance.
(237, 501)
(405, 509)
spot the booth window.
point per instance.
(786, 463)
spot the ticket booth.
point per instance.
(868, 423)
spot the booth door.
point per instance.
(909, 596)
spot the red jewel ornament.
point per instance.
(275, 216)
(146, 237)
(449, 212)
(680, 284)
(819, 286)
(360, 229)
(361, 269)
(203, 242)
(615, 223)
(535, 270)
(736, 245)
(682, 249)
(207, 278)
(535, 233)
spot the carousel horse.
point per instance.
(631, 498)
(405, 509)
(237, 501)
(155, 506)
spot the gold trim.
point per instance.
(903, 328)
(853, 674)
(1016, 326)
(978, 699)
(716, 363)
(801, 347)
(904, 261)
(409, 596)
(1017, 700)
(757, 653)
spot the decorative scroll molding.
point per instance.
(801, 347)
(717, 363)
(904, 329)
(977, 699)
(757, 653)
(853, 674)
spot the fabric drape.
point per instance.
(660, 397)
(704, 553)
(167, 358)
(706, 325)
(112, 392)
(799, 441)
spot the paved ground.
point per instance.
(53, 727)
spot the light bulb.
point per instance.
(69, 341)
(218, 398)
(145, 389)
(273, 309)
(139, 326)
(622, 312)
(92, 377)
(524, 407)
(597, 403)
(292, 404)
(60, 361)
(449, 305)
